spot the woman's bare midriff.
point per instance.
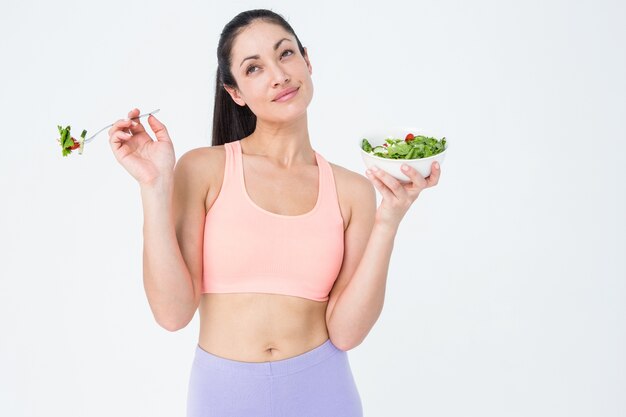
(258, 327)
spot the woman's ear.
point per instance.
(234, 94)
(308, 63)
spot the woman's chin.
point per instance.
(284, 115)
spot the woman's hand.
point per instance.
(148, 161)
(398, 196)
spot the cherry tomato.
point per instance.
(409, 137)
(76, 145)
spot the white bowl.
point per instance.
(392, 166)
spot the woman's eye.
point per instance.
(251, 67)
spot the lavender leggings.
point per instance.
(317, 383)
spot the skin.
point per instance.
(281, 176)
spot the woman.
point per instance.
(284, 253)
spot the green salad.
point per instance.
(411, 147)
(68, 143)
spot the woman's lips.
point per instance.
(288, 96)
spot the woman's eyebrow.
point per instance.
(257, 56)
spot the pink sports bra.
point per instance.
(250, 249)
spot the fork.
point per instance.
(106, 127)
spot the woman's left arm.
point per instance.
(356, 300)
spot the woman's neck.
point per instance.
(285, 144)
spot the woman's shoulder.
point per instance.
(204, 157)
(352, 187)
(204, 164)
(347, 178)
(203, 152)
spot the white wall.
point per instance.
(506, 291)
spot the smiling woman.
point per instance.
(262, 50)
(264, 344)
(283, 253)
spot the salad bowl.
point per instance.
(396, 141)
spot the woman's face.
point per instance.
(266, 61)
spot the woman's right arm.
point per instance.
(172, 250)
(173, 206)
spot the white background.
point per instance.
(506, 293)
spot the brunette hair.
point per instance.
(231, 121)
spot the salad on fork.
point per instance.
(68, 143)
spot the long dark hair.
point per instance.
(231, 121)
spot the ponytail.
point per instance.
(231, 121)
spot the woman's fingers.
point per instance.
(159, 129)
(416, 178)
(128, 125)
(122, 124)
(118, 138)
(391, 182)
(380, 186)
(136, 126)
(385, 182)
(389, 186)
(435, 172)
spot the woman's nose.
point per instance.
(280, 76)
